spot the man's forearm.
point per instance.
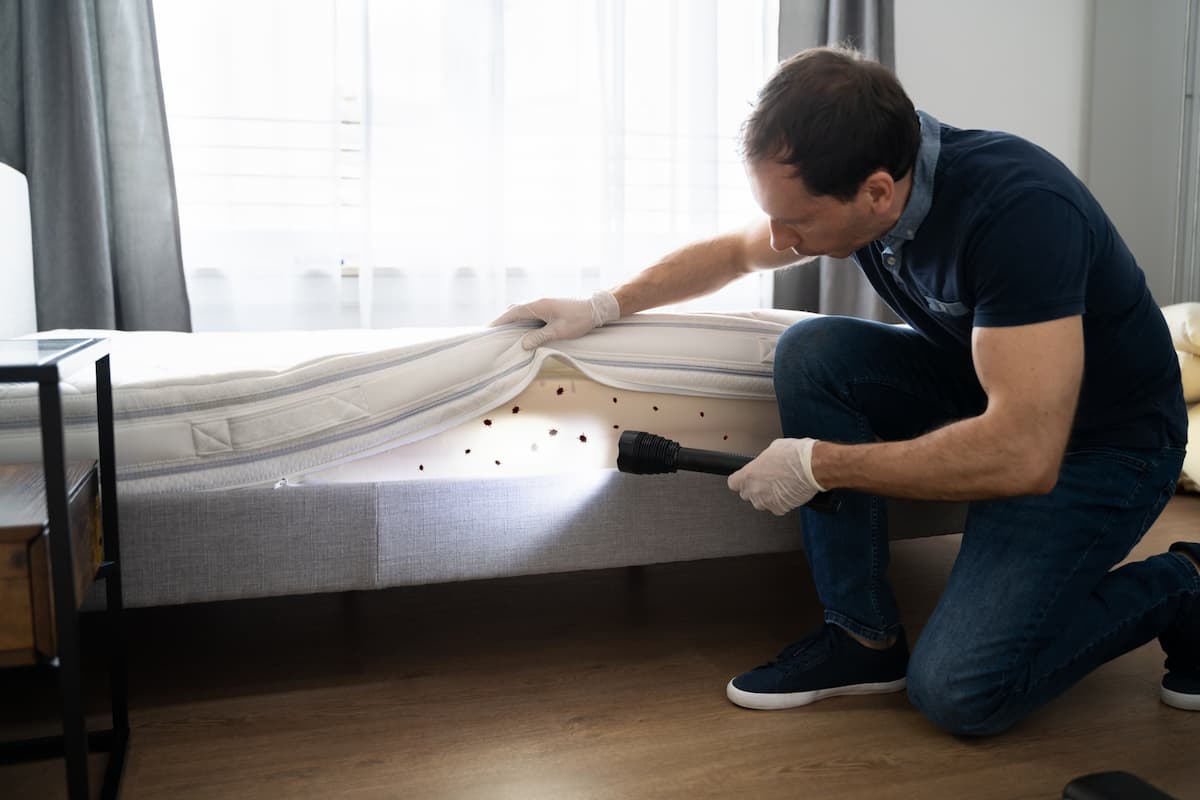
(973, 459)
(692, 271)
(702, 268)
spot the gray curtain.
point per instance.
(834, 285)
(82, 116)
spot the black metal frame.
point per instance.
(76, 742)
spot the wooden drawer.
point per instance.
(26, 589)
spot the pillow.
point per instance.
(1184, 321)
(1191, 461)
(1189, 367)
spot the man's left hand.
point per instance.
(780, 479)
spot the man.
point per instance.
(1036, 380)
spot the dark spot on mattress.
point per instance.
(615, 427)
(516, 409)
(655, 408)
(487, 422)
(726, 436)
(468, 450)
(582, 437)
(497, 462)
(614, 399)
(554, 432)
(702, 413)
(421, 467)
(560, 390)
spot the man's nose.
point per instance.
(783, 237)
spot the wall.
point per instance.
(17, 314)
(1099, 83)
(1022, 66)
(1136, 127)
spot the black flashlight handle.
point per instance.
(644, 453)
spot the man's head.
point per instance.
(829, 148)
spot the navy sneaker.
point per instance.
(1181, 643)
(827, 664)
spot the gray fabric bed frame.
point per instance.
(184, 547)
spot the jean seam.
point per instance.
(1190, 567)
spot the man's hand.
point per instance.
(565, 318)
(780, 479)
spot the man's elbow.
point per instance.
(1040, 473)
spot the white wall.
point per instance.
(1021, 66)
(1137, 128)
(17, 314)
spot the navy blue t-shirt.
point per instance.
(1012, 237)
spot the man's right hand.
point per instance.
(565, 318)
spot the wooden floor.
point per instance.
(592, 685)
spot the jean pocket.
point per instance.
(952, 307)
(1101, 454)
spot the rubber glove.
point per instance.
(565, 318)
(780, 478)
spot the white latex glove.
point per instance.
(565, 318)
(780, 479)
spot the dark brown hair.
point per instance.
(836, 117)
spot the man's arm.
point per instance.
(691, 271)
(1032, 376)
(702, 268)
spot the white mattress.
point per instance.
(222, 410)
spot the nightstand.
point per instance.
(59, 534)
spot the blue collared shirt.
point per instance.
(920, 196)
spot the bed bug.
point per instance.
(560, 390)
(487, 422)
(516, 409)
(554, 431)
(582, 437)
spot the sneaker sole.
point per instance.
(1186, 702)
(773, 702)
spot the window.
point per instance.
(384, 163)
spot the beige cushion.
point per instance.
(1189, 367)
(1184, 321)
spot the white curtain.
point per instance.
(386, 163)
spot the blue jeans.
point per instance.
(1032, 604)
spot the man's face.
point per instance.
(807, 224)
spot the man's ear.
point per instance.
(879, 188)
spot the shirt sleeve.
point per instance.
(1028, 261)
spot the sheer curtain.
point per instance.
(346, 163)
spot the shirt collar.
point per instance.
(920, 197)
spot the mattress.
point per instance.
(262, 464)
(209, 411)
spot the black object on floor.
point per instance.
(1112, 786)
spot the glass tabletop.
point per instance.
(41, 352)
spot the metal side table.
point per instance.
(44, 362)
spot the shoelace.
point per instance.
(806, 652)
